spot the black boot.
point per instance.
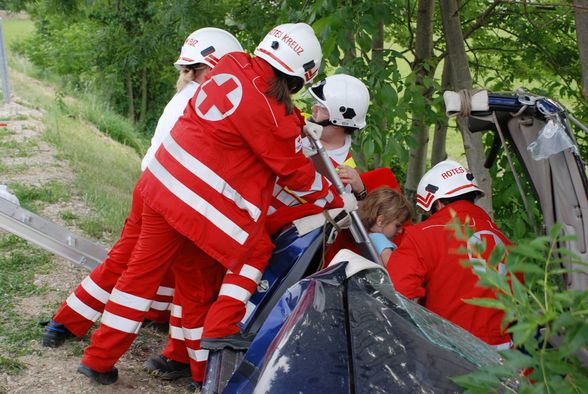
(55, 334)
(105, 378)
(167, 369)
(238, 341)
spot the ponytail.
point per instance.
(282, 87)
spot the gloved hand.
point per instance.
(313, 130)
(349, 202)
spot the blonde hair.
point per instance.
(385, 202)
(189, 73)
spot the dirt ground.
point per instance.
(54, 370)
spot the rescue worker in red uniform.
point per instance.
(200, 52)
(427, 266)
(209, 186)
(342, 102)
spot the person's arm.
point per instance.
(350, 176)
(384, 247)
(281, 149)
(407, 269)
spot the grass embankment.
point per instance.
(105, 172)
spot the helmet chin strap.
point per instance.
(322, 123)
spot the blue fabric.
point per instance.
(381, 242)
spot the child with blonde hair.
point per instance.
(383, 213)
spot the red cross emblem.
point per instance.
(219, 97)
(480, 247)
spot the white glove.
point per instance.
(313, 130)
(349, 202)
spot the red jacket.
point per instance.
(212, 179)
(427, 265)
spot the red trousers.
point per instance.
(85, 305)
(197, 285)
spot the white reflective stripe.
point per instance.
(165, 291)
(193, 334)
(249, 308)
(286, 198)
(94, 290)
(79, 307)
(503, 346)
(330, 196)
(120, 323)
(176, 310)
(234, 291)
(159, 306)
(213, 180)
(176, 333)
(271, 210)
(129, 300)
(251, 272)
(197, 203)
(317, 185)
(320, 202)
(198, 355)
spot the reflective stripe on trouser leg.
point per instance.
(85, 305)
(198, 279)
(237, 287)
(159, 311)
(175, 347)
(131, 298)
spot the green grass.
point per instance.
(105, 171)
(51, 192)
(19, 262)
(16, 29)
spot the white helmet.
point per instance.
(207, 45)
(293, 49)
(445, 180)
(346, 98)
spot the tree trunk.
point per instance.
(143, 110)
(351, 52)
(462, 79)
(417, 161)
(130, 99)
(439, 152)
(378, 60)
(581, 15)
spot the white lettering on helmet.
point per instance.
(452, 172)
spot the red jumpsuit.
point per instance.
(86, 304)
(210, 184)
(427, 265)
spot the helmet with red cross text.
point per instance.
(446, 179)
(207, 46)
(293, 49)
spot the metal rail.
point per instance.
(50, 236)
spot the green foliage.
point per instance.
(540, 312)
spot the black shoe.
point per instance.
(238, 341)
(100, 377)
(55, 334)
(167, 369)
(192, 387)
